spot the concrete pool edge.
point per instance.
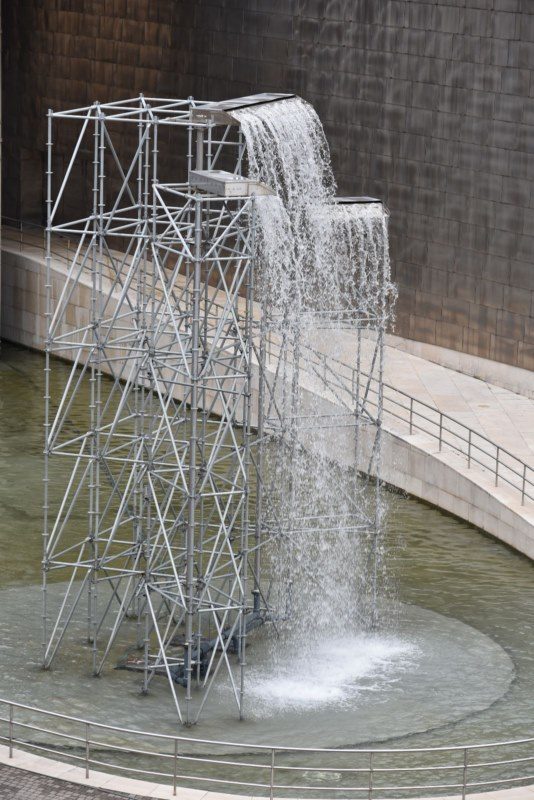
(415, 465)
(131, 786)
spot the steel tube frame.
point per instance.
(165, 487)
(175, 358)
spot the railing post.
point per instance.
(469, 450)
(440, 429)
(370, 792)
(271, 777)
(464, 779)
(523, 486)
(411, 415)
(10, 730)
(87, 751)
(497, 467)
(175, 767)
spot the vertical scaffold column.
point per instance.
(48, 287)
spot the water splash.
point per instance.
(339, 672)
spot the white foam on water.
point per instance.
(332, 674)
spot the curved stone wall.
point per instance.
(429, 105)
(414, 464)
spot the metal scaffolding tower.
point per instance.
(174, 388)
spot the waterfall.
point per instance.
(317, 255)
(324, 274)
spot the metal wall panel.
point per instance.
(428, 105)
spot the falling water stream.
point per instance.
(319, 259)
(324, 271)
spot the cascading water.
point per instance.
(317, 255)
(325, 275)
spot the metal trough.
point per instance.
(356, 200)
(226, 184)
(220, 113)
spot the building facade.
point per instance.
(428, 105)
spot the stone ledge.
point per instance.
(468, 494)
(515, 379)
(139, 788)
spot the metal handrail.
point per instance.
(504, 466)
(24, 238)
(464, 441)
(85, 749)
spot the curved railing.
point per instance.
(408, 413)
(267, 770)
(30, 235)
(412, 415)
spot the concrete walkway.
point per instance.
(443, 476)
(505, 417)
(485, 489)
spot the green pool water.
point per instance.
(468, 617)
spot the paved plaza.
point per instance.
(17, 784)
